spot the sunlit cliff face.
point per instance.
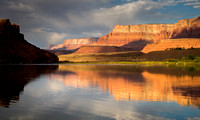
(131, 84)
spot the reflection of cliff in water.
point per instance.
(136, 82)
(15, 77)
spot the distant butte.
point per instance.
(72, 44)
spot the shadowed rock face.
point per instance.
(14, 49)
(192, 30)
(132, 46)
(61, 52)
(101, 49)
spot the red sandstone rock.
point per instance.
(136, 37)
(71, 44)
(162, 45)
(125, 34)
(188, 30)
(100, 49)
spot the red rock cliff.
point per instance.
(185, 43)
(127, 34)
(71, 44)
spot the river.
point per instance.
(99, 92)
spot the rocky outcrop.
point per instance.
(14, 49)
(61, 52)
(191, 29)
(138, 38)
(166, 44)
(100, 49)
(71, 44)
(126, 34)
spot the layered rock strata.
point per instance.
(71, 44)
(127, 34)
(166, 44)
(14, 49)
(101, 49)
(138, 37)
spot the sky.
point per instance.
(45, 22)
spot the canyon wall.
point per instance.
(166, 44)
(14, 49)
(101, 49)
(71, 44)
(139, 38)
(126, 35)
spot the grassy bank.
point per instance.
(174, 57)
(143, 63)
(101, 57)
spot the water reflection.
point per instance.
(15, 77)
(168, 84)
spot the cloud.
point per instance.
(195, 4)
(194, 118)
(63, 19)
(89, 34)
(47, 36)
(129, 13)
(56, 37)
(20, 6)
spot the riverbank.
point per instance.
(181, 57)
(181, 63)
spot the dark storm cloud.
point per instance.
(47, 18)
(52, 21)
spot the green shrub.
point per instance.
(191, 57)
(172, 60)
(179, 48)
(190, 48)
(197, 59)
(183, 58)
(191, 69)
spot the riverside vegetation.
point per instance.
(173, 56)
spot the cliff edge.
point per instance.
(14, 49)
(126, 34)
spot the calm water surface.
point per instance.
(99, 92)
